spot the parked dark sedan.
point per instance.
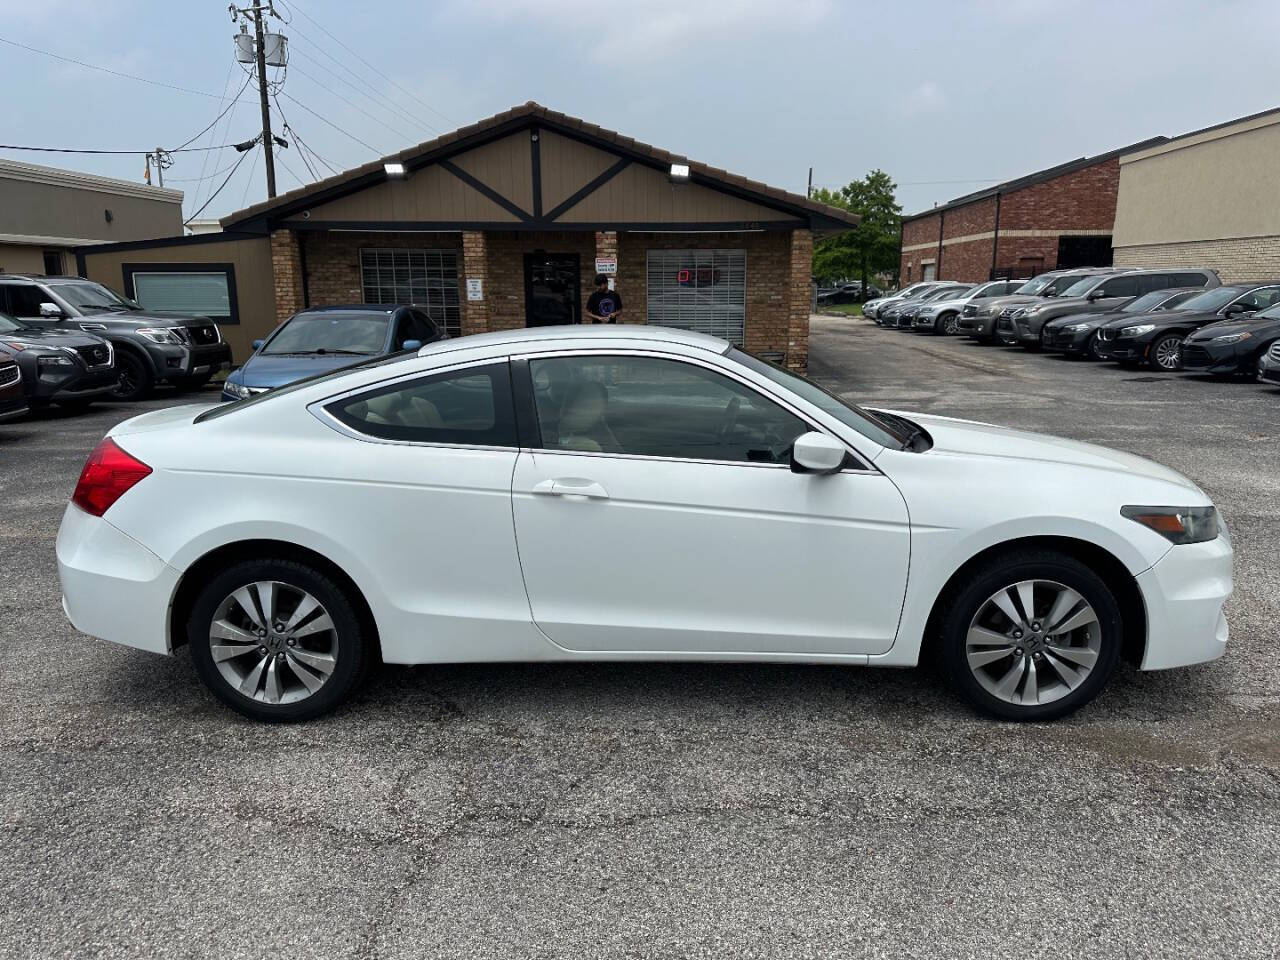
(1232, 346)
(1077, 333)
(321, 339)
(848, 293)
(60, 366)
(1156, 339)
(13, 402)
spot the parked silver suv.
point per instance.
(943, 316)
(980, 324)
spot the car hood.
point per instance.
(999, 303)
(947, 304)
(266, 370)
(53, 338)
(143, 318)
(971, 438)
(1092, 319)
(1165, 318)
(1225, 327)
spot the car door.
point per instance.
(658, 515)
(23, 302)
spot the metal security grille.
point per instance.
(702, 290)
(426, 278)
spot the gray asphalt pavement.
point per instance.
(661, 810)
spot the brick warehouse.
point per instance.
(503, 224)
(1059, 217)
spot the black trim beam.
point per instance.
(589, 188)
(535, 161)
(481, 187)
(191, 240)
(524, 226)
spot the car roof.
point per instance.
(369, 307)
(604, 332)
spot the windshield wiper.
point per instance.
(322, 351)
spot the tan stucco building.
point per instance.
(505, 223)
(1209, 198)
(45, 213)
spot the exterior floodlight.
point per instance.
(679, 171)
(394, 169)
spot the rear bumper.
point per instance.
(1184, 593)
(113, 587)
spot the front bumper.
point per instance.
(1205, 357)
(71, 383)
(13, 407)
(1071, 341)
(112, 586)
(1124, 349)
(182, 360)
(1269, 370)
(1184, 593)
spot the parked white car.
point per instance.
(628, 493)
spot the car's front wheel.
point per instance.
(950, 324)
(1094, 349)
(135, 380)
(1166, 353)
(276, 640)
(1031, 636)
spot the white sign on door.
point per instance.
(607, 265)
(475, 288)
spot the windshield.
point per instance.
(1034, 286)
(332, 331)
(1212, 299)
(9, 325)
(1146, 302)
(847, 413)
(93, 297)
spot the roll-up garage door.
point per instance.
(702, 290)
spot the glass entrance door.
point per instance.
(552, 289)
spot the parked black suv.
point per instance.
(149, 347)
(68, 367)
(13, 403)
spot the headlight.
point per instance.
(238, 390)
(1177, 524)
(54, 360)
(1232, 337)
(1077, 327)
(1137, 331)
(161, 334)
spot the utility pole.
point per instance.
(160, 166)
(262, 97)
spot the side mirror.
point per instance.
(51, 310)
(818, 453)
(257, 344)
(1095, 295)
(1235, 309)
(413, 345)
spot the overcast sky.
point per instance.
(947, 96)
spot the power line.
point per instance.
(369, 90)
(249, 183)
(333, 93)
(14, 146)
(303, 147)
(213, 132)
(215, 119)
(293, 4)
(345, 133)
(200, 179)
(391, 110)
(298, 179)
(220, 187)
(114, 73)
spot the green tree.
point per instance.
(872, 246)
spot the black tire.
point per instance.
(351, 648)
(1156, 348)
(1091, 350)
(949, 324)
(965, 603)
(188, 384)
(135, 381)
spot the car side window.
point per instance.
(1188, 280)
(1153, 281)
(1260, 299)
(654, 407)
(25, 300)
(470, 406)
(424, 328)
(1120, 287)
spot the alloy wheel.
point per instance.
(1033, 642)
(1095, 345)
(127, 383)
(951, 325)
(1166, 353)
(273, 642)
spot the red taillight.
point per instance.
(107, 476)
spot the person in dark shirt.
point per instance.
(604, 305)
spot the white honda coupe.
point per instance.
(628, 493)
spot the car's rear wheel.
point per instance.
(1031, 636)
(135, 380)
(1165, 353)
(276, 640)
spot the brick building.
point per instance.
(504, 224)
(1059, 217)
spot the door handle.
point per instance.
(571, 487)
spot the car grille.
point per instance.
(1274, 352)
(1004, 323)
(95, 355)
(203, 335)
(1106, 334)
(970, 310)
(9, 375)
(1195, 355)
